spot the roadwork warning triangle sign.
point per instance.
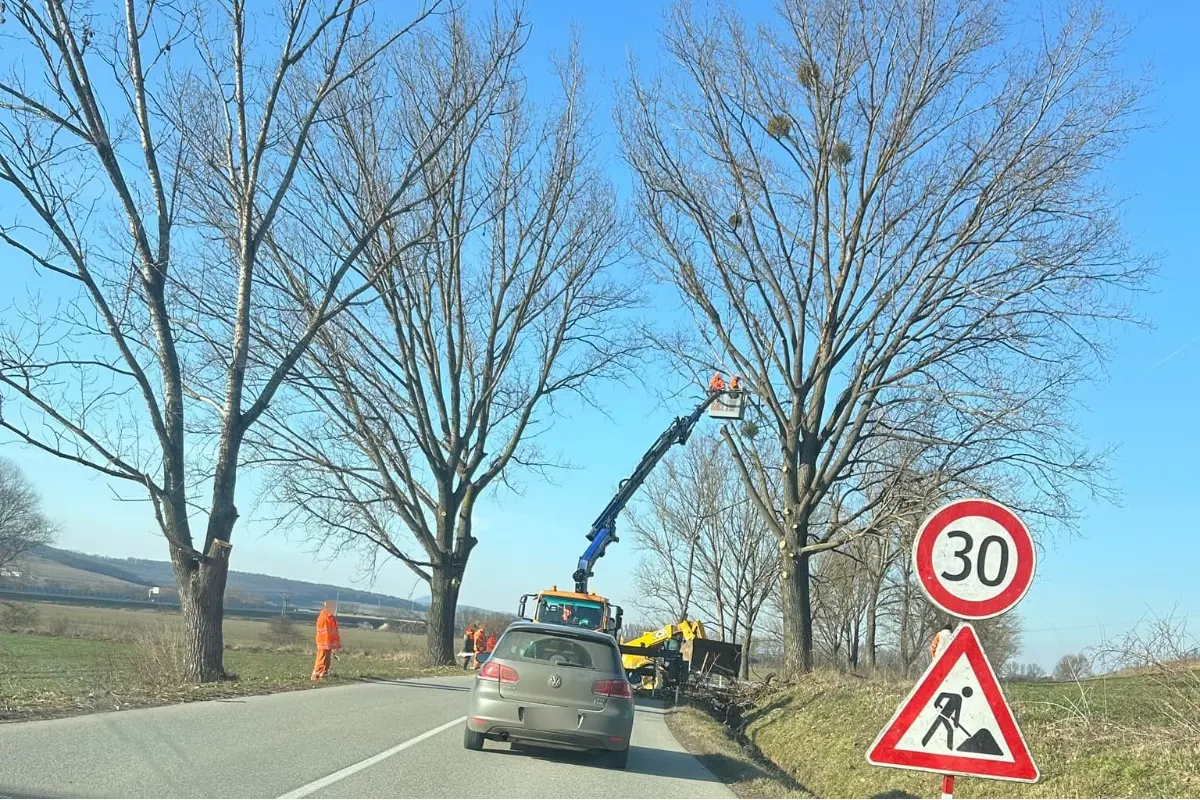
(956, 721)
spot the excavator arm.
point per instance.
(686, 630)
(602, 533)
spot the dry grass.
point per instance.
(128, 625)
(282, 632)
(17, 616)
(63, 660)
(1098, 738)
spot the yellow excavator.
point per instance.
(587, 609)
(667, 656)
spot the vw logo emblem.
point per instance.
(555, 681)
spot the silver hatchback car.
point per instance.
(553, 686)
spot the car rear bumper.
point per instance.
(505, 720)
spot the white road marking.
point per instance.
(321, 783)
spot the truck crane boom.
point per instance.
(603, 531)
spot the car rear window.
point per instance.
(560, 649)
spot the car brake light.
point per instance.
(612, 689)
(493, 671)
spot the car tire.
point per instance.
(617, 759)
(472, 740)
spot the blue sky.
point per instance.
(1130, 560)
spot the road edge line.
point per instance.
(346, 772)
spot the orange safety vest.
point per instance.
(328, 637)
(937, 637)
(735, 384)
(717, 383)
(491, 643)
(479, 640)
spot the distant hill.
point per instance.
(69, 569)
(52, 572)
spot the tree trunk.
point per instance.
(905, 660)
(439, 620)
(687, 594)
(735, 625)
(203, 604)
(747, 643)
(202, 601)
(455, 542)
(872, 615)
(796, 607)
(854, 634)
(721, 616)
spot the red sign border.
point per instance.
(883, 752)
(974, 609)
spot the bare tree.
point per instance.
(913, 621)
(632, 628)
(906, 472)
(1162, 652)
(158, 153)
(870, 206)
(1073, 667)
(411, 407)
(1016, 671)
(750, 576)
(680, 508)
(898, 501)
(706, 552)
(1000, 637)
(23, 524)
(841, 592)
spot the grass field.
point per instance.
(1113, 737)
(117, 624)
(75, 659)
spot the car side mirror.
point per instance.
(482, 657)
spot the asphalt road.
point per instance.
(386, 739)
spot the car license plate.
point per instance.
(552, 719)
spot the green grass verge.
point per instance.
(1100, 738)
(77, 660)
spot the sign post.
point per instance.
(974, 559)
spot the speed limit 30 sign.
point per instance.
(974, 558)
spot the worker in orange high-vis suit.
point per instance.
(490, 647)
(940, 640)
(328, 640)
(468, 645)
(480, 643)
(717, 384)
